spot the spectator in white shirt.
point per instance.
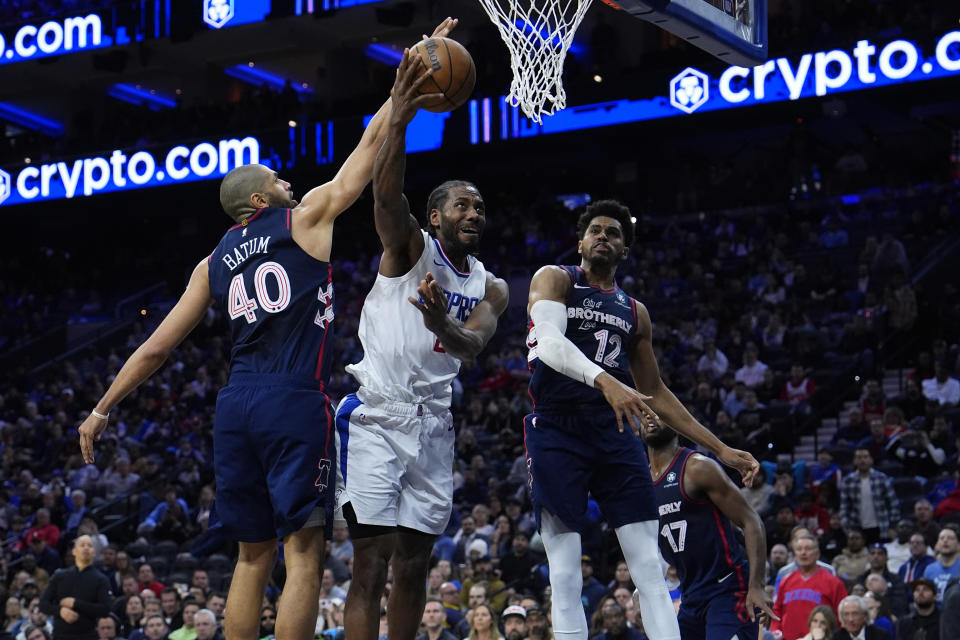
(751, 373)
(941, 387)
(119, 480)
(713, 361)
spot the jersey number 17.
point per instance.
(680, 542)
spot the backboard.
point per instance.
(733, 30)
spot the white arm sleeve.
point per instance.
(557, 352)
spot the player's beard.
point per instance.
(660, 439)
(279, 202)
(609, 260)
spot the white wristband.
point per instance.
(101, 416)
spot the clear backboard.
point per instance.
(733, 30)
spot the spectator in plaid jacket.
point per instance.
(867, 499)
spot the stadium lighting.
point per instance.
(138, 95)
(30, 120)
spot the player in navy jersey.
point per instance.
(721, 580)
(273, 433)
(590, 352)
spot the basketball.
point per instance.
(454, 73)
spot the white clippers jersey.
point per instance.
(402, 359)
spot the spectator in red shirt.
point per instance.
(872, 402)
(147, 580)
(799, 388)
(44, 528)
(807, 587)
(951, 503)
(810, 514)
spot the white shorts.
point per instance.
(395, 464)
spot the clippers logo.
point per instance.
(689, 90)
(5, 185)
(217, 13)
(324, 467)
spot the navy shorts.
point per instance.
(272, 452)
(569, 456)
(721, 617)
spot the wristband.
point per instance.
(101, 416)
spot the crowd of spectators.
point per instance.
(763, 325)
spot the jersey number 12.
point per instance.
(605, 338)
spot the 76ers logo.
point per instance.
(324, 478)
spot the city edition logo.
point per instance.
(119, 172)
(815, 74)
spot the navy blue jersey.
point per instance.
(278, 299)
(697, 539)
(602, 325)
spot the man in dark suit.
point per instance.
(950, 618)
(853, 621)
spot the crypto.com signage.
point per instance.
(121, 172)
(55, 37)
(867, 65)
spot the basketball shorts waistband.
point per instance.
(402, 409)
(274, 380)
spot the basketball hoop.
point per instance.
(538, 34)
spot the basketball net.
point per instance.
(538, 34)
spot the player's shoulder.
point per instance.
(554, 276)
(552, 271)
(496, 284)
(701, 470)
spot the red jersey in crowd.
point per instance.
(797, 596)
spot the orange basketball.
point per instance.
(454, 73)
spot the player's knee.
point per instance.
(566, 580)
(258, 553)
(411, 571)
(648, 573)
(369, 574)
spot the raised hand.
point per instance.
(444, 28)
(405, 95)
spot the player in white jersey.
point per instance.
(432, 306)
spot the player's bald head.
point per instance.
(237, 187)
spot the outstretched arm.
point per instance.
(329, 200)
(703, 476)
(466, 341)
(646, 375)
(547, 306)
(154, 352)
(398, 229)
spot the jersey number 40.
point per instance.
(238, 304)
